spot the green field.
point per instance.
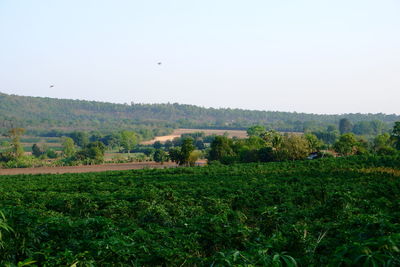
(343, 211)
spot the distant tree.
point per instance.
(346, 145)
(160, 156)
(328, 137)
(157, 145)
(92, 153)
(272, 139)
(331, 128)
(128, 140)
(395, 135)
(168, 144)
(37, 151)
(80, 138)
(345, 126)
(199, 144)
(175, 154)
(181, 155)
(51, 153)
(221, 147)
(257, 130)
(383, 145)
(17, 149)
(186, 149)
(313, 142)
(193, 157)
(68, 147)
(177, 141)
(293, 147)
(266, 154)
(96, 136)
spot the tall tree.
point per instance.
(221, 147)
(186, 149)
(37, 151)
(256, 130)
(345, 126)
(128, 140)
(396, 134)
(160, 156)
(68, 147)
(16, 146)
(346, 145)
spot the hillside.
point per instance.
(45, 114)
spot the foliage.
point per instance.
(160, 156)
(345, 126)
(52, 117)
(257, 130)
(68, 147)
(221, 149)
(17, 151)
(182, 155)
(396, 134)
(128, 140)
(37, 151)
(326, 212)
(93, 153)
(346, 145)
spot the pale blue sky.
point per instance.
(305, 56)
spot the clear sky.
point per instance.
(289, 55)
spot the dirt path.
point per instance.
(178, 132)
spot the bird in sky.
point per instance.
(51, 86)
(159, 63)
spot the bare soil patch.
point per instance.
(179, 132)
(93, 168)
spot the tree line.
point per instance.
(37, 115)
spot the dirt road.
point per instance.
(178, 132)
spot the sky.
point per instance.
(314, 56)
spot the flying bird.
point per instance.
(159, 63)
(51, 86)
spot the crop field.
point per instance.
(336, 212)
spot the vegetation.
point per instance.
(56, 117)
(336, 212)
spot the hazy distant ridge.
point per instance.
(66, 113)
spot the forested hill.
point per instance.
(41, 114)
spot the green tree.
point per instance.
(37, 151)
(68, 147)
(128, 140)
(168, 144)
(51, 153)
(221, 147)
(186, 149)
(157, 145)
(293, 147)
(345, 126)
(81, 139)
(175, 154)
(272, 139)
(181, 154)
(193, 157)
(256, 130)
(395, 135)
(160, 156)
(313, 142)
(92, 153)
(17, 149)
(346, 145)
